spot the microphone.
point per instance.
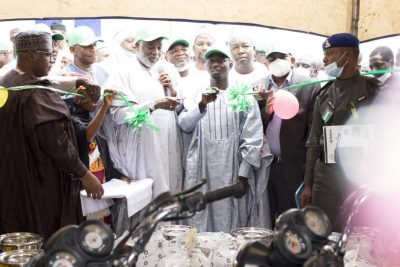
(161, 70)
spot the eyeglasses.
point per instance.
(47, 53)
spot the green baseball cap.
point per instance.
(216, 50)
(83, 36)
(178, 41)
(149, 36)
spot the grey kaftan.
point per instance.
(225, 144)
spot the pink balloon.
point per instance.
(286, 105)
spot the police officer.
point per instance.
(337, 103)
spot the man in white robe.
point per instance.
(247, 71)
(154, 83)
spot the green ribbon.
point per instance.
(137, 117)
(380, 71)
(298, 85)
(332, 79)
(239, 97)
(210, 91)
(31, 87)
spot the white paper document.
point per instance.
(138, 194)
(349, 136)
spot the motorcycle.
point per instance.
(92, 243)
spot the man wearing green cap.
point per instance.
(338, 103)
(83, 46)
(224, 147)
(155, 83)
(178, 54)
(192, 80)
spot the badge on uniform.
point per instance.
(326, 116)
(353, 111)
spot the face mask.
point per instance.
(333, 70)
(384, 77)
(280, 67)
(128, 53)
(182, 68)
(303, 71)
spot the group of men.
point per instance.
(200, 134)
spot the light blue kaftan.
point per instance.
(225, 144)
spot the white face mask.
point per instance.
(182, 68)
(333, 70)
(280, 67)
(384, 77)
(302, 71)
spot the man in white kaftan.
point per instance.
(155, 83)
(247, 71)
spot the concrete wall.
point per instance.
(318, 16)
(379, 18)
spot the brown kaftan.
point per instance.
(39, 161)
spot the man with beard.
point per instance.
(40, 178)
(286, 138)
(147, 80)
(224, 147)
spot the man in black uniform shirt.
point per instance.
(326, 185)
